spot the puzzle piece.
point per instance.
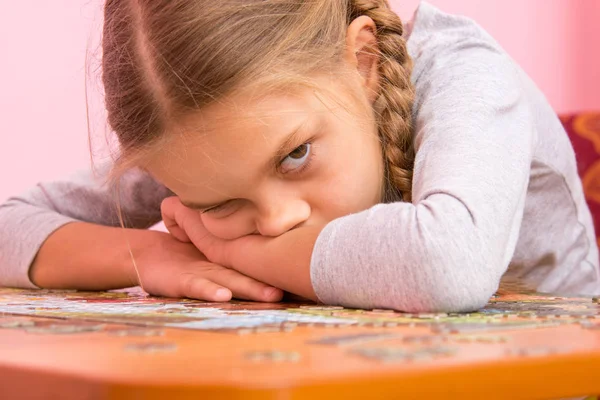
(354, 339)
(480, 338)
(273, 356)
(490, 327)
(16, 324)
(136, 332)
(154, 347)
(64, 329)
(532, 351)
(395, 354)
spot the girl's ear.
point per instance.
(362, 53)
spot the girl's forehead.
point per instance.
(229, 144)
(247, 108)
(238, 134)
(251, 104)
(225, 126)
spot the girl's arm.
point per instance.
(42, 219)
(448, 249)
(87, 256)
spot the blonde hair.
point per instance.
(165, 59)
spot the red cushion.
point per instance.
(584, 132)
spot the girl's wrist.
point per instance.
(140, 244)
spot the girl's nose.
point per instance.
(281, 216)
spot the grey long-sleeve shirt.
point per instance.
(495, 188)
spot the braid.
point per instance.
(393, 107)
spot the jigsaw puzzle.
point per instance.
(134, 307)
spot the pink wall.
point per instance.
(557, 42)
(42, 100)
(43, 44)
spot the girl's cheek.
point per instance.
(231, 227)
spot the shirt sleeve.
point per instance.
(448, 249)
(29, 219)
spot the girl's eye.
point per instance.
(297, 158)
(217, 209)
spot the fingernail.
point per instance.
(223, 294)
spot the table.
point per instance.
(127, 345)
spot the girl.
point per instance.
(287, 132)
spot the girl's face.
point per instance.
(267, 166)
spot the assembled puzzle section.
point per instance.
(134, 307)
(407, 337)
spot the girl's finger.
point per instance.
(168, 209)
(196, 287)
(176, 231)
(244, 287)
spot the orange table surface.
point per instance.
(72, 345)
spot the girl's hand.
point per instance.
(186, 225)
(282, 261)
(171, 268)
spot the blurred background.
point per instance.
(43, 72)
